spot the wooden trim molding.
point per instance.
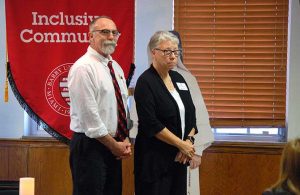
(246, 147)
(32, 142)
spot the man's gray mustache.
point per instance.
(109, 44)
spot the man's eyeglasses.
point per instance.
(107, 32)
(168, 52)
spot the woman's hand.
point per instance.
(181, 158)
(187, 148)
(195, 161)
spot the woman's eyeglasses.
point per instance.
(168, 52)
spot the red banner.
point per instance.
(44, 39)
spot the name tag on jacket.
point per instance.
(182, 86)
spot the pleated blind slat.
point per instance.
(237, 49)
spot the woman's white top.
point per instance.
(179, 102)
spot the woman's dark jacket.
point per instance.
(157, 109)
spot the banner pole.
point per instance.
(6, 76)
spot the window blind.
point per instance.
(237, 50)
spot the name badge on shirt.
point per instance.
(182, 86)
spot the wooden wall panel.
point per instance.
(3, 163)
(236, 169)
(45, 160)
(226, 169)
(128, 175)
(13, 160)
(17, 161)
(50, 168)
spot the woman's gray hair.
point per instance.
(160, 36)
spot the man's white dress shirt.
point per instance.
(93, 104)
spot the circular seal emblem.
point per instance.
(56, 89)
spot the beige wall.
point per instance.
(293, 99)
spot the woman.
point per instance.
(203, 138)
(289, 178)
(167, 122)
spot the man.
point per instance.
(98, 93)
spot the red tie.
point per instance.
(122, 131)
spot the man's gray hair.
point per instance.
(92, 24)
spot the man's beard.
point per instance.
(108, 47)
